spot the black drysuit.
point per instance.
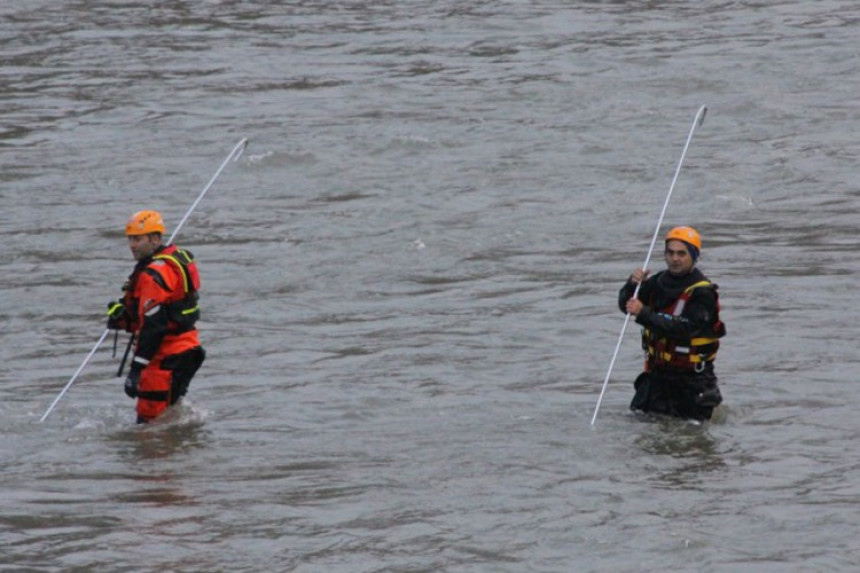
(682, 391)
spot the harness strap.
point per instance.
(667, 357)
(179, 265)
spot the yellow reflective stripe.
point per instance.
(178, 264)
(697, 285)
(703, 341)
(191, 310)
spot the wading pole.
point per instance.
(698, 120)
(234, 155)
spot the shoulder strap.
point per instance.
(179, 265)
(678, 307)
(699, 284)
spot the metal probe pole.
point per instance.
(698, 120)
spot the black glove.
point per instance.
(116, 315)
(131, 381)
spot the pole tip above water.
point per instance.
(240, 148)
(703, 111)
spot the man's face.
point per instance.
(678, 259)
(143, 246)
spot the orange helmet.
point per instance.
(143, 223)
(687, 234)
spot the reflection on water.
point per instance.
(162, 490)
(180, 430)
(148, 447)
(692, 451)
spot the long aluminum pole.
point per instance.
(234, 155)
(698, 120)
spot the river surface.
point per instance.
(409, 283)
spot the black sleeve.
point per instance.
(151, 333)
(696, 318)
(624, 295)
(629, 288)
(154, 325)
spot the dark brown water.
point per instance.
(410, 280)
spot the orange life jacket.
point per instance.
(181, 301)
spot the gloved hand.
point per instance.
(116, 315)
(132, 381)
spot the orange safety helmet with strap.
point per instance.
(689, 236)
(686, 234)
(144, 223)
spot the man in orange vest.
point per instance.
(160, 309)
(679, 311)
